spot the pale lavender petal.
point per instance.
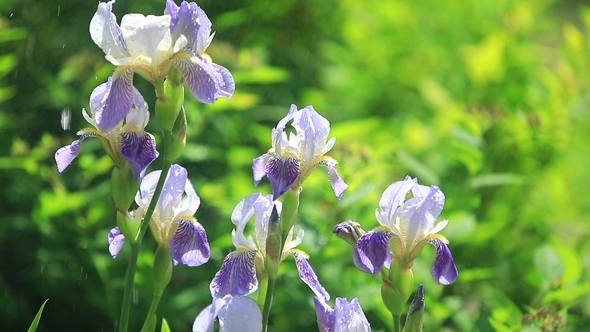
(372, 251)
(206, 80)
(113, 108)
(259, 167)
(282, 173)
(116, 241)
(189, 245)
(420, 213)
(338, 184)
(205, 321)
(308, 276)
(106, 33)
(237, 275)
(240, 314)
(65, 155)
(172, 191)
(192, 22)
(395, 195)
(315, 130)
(325, 315)
(444, 269)
(139, 149)
(349, 316)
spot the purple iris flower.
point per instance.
(406, 225)
(237, 275)
(127, 140)
(172, 222)
(150, 46)
(292, 157)
(235, 313)
(344, 317)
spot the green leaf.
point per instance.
(35, 322)
(165, 327)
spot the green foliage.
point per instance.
(37, 318)
(486, 99)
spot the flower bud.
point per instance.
(177, 138)
(274, 246)
(416, 312)
(123, 187)
(162, 269)
(168, 105)
(350, 231)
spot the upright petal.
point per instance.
(240, 314)
(372, 251)
(106, 33)
(189, 245)
(206, 80)
(419, 214)
(307, 275)
(205, 321)
(192, 22)
(148, 39)
(444, 270)
(237, 275)
(171, 192)
(139, 149)
(315, 130)
(116, 241)
(349, 316)
(392, 198)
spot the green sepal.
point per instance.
(162, 269)
(289, 213)
(274, 245)
(168, 104)
(177, 140)
(416, 312)
(123, 187)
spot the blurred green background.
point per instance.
(487, 99)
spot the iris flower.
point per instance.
(235, 313)
(127, 139)
(344, 317)
(173, 222)
(237, 275)
(292, 157)
(151, 46)
(406, 226)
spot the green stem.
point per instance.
(397, 320)
(150, 318)
(268, 303)
(128, 294)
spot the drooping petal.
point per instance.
(111, 106)
(349, 316)
(338, 184)
(259, 167)
(65, 155)
(307, 274)
(325, 315)
(206, 80)
(372, 251)
(205, 321)
(139, 149)
(444, 270)
(282, 173)
(237, 275)
(106, 33)
(116, 241)
(189, 245)
(240, 314)
(192, 22)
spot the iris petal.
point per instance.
(106, 33)
(259, 167)
(349, 316)
(282, 173)
(240, 314)
(372, 251)
(444, 270)
(308, 276)
(65, 155)
(139, 149)
(337, 182)
(111, 110)
(189, 245)
(116, 241)
(206, 80)
(325, 315)
(237, 275)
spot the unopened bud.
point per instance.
(177, 137)
(349, 231)
(168, 104)
(416, 312)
